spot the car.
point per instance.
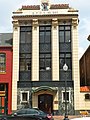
(34, 113)
(81, 118)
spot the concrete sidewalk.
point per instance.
(62, 117)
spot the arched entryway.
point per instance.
(45, 103)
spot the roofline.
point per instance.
(16, 16)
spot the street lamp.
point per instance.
(65, 68)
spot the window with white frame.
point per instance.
(2, 62)
(67, 96)
(24, 96)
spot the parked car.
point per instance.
(34, 113)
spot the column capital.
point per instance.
(35, 22)
(54, 21)
(75, 22)
(15, 25)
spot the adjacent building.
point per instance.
(45, 58)
(85, 80)
(6, 73)
(85, 68)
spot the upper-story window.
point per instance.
(2, 62)
(64, 33)
(65, 58)
(25, 34)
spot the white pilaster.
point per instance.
(75, 63)
(15, 76)
(55, 50)
(35, 50)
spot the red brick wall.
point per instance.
(7, 76)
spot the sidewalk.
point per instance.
(62, 117)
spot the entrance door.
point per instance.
(3, 99)
(45, 103)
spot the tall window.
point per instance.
(2, 62)
(65, 51)
(25, 52)
(45, 52)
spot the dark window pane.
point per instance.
(24, 97)
(67, 96)
(42, 64)
(87, 96)
(62, 62)
(25, 28)
(61, 36)
(22, 37)
(42, 28)
(61, 28)
(42, 37)
(28, 37)
(22, 64)
(68, 62)
(67, 36)
(48, 37)
(67, 27)
(48, 28)
(2, 62)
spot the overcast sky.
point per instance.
(9, 6)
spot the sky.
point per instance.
(83, 6)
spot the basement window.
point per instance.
(87, 96)
(24, 96)
(67, 96)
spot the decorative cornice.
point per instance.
(31, 7)
(59, 6)
(53, 6)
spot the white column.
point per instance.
(15, 75)
(35, 50)
(75, 63)
(55, 50)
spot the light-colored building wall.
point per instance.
(57, 19)
(35, 50)
(55, 50)
(75, 63)
(15, 76)
(84, 104)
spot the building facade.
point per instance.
(85, 80)
(45, 40)
(5, 73)
(85, 68)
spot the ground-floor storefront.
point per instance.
(47, 98)
(4, 101)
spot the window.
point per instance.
(24, 96)
(45, 47)
(65, 33)
(45, 62)
(25, 34)
(67, 96)
(25, 62)
(87, 96)
(65, 58)
(2, 62)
